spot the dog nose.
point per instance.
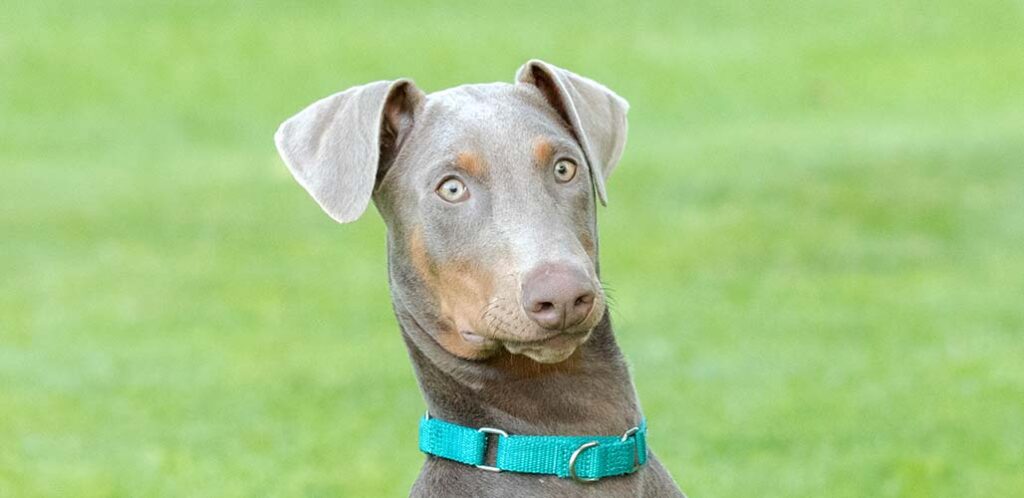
(557, 296)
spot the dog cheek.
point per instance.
(464, 291)
(453, 341)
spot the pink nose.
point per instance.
(557, 296)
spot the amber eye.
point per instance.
(565, 170)
(453, 190)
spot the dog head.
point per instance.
(488, 192)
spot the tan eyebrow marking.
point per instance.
(542, 152)
(470, 162)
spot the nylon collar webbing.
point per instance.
(584, 458)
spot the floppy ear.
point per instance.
(340, 146)
(596, 114)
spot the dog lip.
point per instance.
(473, 338)
(551, 349)
(557, 340)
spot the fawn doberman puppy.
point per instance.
(489, 194)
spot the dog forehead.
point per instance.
(492, 110)
(493, 128)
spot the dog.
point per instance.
(489, 193)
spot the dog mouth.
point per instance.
(553, 349)
(503, 326)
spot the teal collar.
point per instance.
(583, 458)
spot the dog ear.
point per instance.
(339, 147)
(596, 114)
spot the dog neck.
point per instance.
(589, 393)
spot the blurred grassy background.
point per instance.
(816, 242)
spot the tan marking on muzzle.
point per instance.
(588, 244)
(461, 290)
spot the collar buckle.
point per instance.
(497, 432)
(636, 446)
(572, 462)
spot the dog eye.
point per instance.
(565, 170)
(453, 190)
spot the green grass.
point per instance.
(815, 241)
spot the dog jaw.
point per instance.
(554, 350)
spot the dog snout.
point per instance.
(558, 296)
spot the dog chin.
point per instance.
(554, 350)
(548, 355)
